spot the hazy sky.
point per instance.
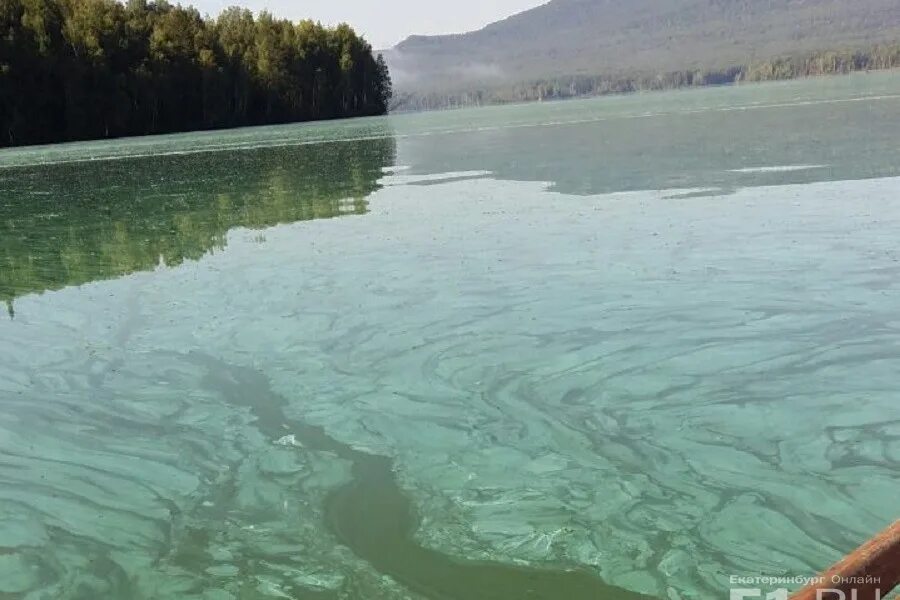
(385, 22)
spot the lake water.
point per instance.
(617, 348)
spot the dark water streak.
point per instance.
(374, 518)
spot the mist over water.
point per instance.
(618, 348)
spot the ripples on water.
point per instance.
(473, 385)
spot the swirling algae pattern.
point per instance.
(661, 389)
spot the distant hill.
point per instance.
(592, 37)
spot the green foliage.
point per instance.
(84, 69)
(884, 56)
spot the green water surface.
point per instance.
(619, 348)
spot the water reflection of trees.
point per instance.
(70, 224)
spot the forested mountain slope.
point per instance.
(594, 37)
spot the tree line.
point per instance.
(86, 69)
(885, 56)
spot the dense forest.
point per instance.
(85, 69)
(884, 56)
(89, 221)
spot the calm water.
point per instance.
(619, 348)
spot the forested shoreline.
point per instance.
(880, 57)
(88, 69)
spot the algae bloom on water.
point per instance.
(619, 348)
